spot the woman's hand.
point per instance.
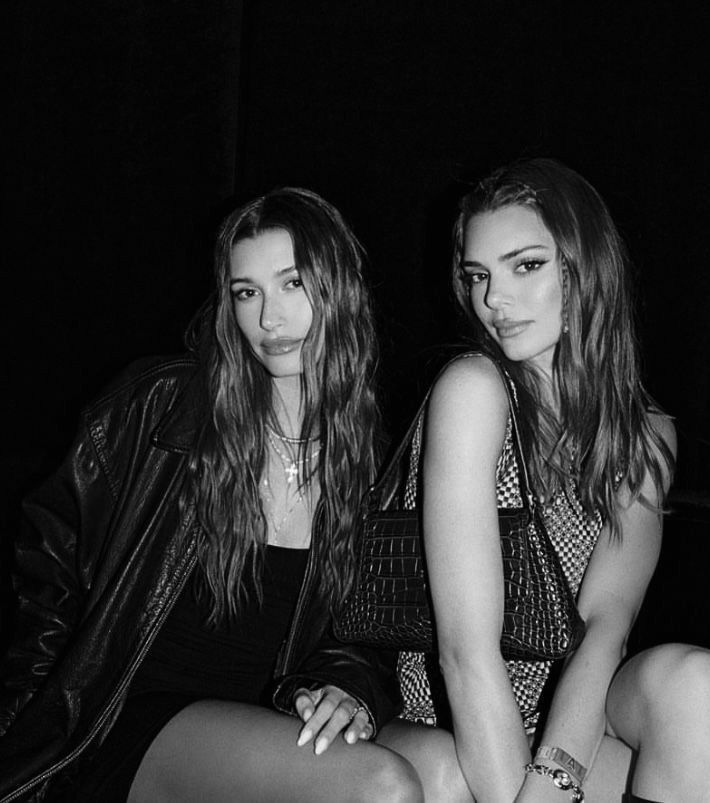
(326, 712)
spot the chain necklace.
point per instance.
(285, 438)
(291, 464)
(269, 494)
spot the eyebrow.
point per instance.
(470, 263)
(246, 280)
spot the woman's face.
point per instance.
(515, 282)
(272, 309)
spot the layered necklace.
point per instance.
(293, 465)
(295, 461)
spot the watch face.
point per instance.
(561, 779)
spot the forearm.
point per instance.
(577, 720)
(491, 744)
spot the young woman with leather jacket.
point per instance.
(177, 574)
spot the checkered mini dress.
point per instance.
(573, 534)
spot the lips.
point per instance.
(506, 329)
(280, 345)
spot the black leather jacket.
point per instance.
(103, 558)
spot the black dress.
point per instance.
(188, 662)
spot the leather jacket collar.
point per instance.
(177, 430)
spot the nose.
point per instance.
(498, 295)
(272, 313)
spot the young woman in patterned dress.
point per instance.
(541, 272)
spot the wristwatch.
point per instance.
(560, 778)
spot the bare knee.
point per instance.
(667, 693)
(675, 681)
(392, 779)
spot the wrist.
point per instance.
(546, 753)
(560, 779)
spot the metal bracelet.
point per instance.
(564, 759)
(560, 778)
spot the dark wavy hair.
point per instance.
(604, 416)
(337, 398)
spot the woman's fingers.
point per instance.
(328, 712)
(305, 702)
(346, 716)
(323, 710)
(359, 727)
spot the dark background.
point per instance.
(133, 126)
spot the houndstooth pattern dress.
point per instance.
(573, 534)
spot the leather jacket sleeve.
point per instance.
(367, 675)
(50, 573)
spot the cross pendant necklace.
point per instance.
(290, 463)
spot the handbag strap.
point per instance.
(382, 493)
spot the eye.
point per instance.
(244, 294)
(474, 277)
(296, 283)
(529, 265)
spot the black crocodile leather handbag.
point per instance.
(389, 605)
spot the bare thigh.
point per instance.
(432, 753)
(222, 751)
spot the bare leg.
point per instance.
(608, 777)
(221, 751)
(659, 704)
(432, 753)
(658, 707)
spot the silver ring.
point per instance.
(356, 711)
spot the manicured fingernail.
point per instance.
(350, 737)
(364, 735)
(307, 714)
(304, 737)
(321, 745)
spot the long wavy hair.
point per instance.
(602, 434)
(338, 402)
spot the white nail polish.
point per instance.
(321, 744)
(303, 738)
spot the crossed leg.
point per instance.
(223, 751)
(659, 704)
(658, 711)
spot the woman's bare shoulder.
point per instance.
(469, 406)
(471, 378)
